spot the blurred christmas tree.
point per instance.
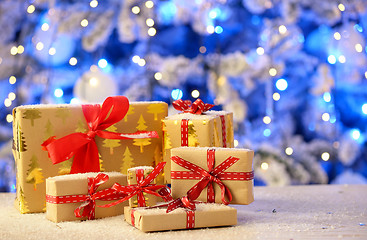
(292, 71)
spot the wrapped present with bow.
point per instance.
(180, 213)
(141, 190)
(52, 140)
(195, 126)
(213, 175)
(84, 196)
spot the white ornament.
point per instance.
(95, 86)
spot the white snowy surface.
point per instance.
(296, 212)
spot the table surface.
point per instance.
(293, 212)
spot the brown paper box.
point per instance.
(206, 215)
(242, 191)
(150, 200)
(204, 131)
(228, 118)
(76, 184)
(34, 124)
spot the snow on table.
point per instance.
(295, 212)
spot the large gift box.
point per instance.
(205, 215)
(108, 137)
(195, 127)
(79, 196)
(221, 175)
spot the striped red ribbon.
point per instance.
(207, 178)
(185, 132)
(143, 186)
(87, 208)
(198, 107)
(224, 130)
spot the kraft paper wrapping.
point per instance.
(242, 191)
(206, 215)
(150, 200)
(228, 126)
(203, 130)
(33, 124)
(75, 184)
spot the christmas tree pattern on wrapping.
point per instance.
(49, 129)
(155, 109)
(65, 167)
(34, 173)
(81, 126)
(192, 136)
(129, 112)
(141, 142)
(23, 206)
(101, 168)
(127, 161)
(32, 114)
(63, 113)
(111, 143)
(20, 144)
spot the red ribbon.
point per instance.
(87, 208)
(82, 145)
(185, 132)
(183, 202)
(198, 107)
(224, 131)
(143, 185)
(207, 178)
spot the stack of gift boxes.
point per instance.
(79, 162)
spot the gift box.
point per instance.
(78, 196)
(35, 124)
(141, 181)
(225, 128)
(205, 215)
(221, 175)
(196, 126)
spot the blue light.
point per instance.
(356, 134)
(58, 92)
(281, 84)
(331, 59)
(332, 119)
(267, 132)
(176, 94)
(358, 28)
(102, 63)
(327, 97)
(364, 108)
(301, 38)
(213, 14)
(255, 20)
(218, 29)
(74, 101)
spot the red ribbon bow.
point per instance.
(87, 209)
(206, 178)
(143, 186)
(82, 145)
(198, 107)
(183, 202)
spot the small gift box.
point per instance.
(221, 175)
(157, 219)
(83, 196)
(142, 190)
(195, 127)
(82, 138)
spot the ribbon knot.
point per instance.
(142, 187)
(206, 178)
(198, 107)
(82, 145)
